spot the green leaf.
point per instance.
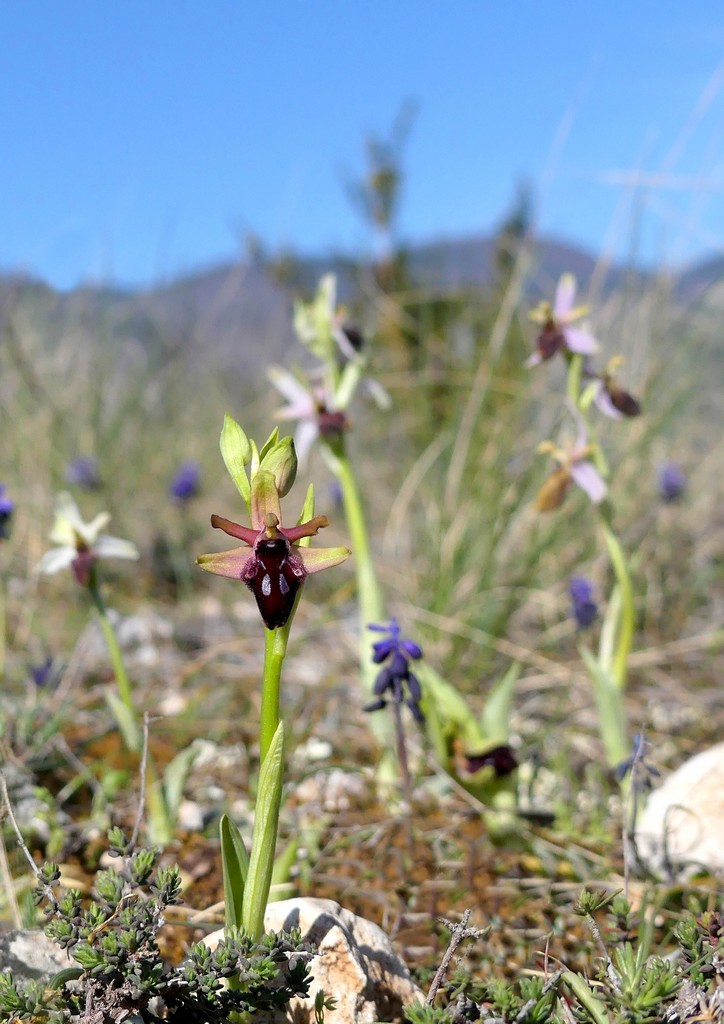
(264, 836)
(495, 719)
(609, 629)
(453, 710)
(126, 719)
(175, 776)
(235, 866)
(236, 452)
(611, 711)
(64, 976)
(283, 864)
(591, 1003)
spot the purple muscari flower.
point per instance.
(642, 773)
(186, 484)
(83, 472)
(395, 681)
(584, 607)
(45, 674)
(7, 507)
(672, 482)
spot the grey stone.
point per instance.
(355, 963)
(682, 827)
(31, 956)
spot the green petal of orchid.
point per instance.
(264, 499)
(316, 559)
(226, 563)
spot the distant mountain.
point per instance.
(237, 316)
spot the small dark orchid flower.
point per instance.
(83, 472)
(501, 759)
(395, 681)
(273, 565)
(556, 333)
(186, 484)
(672, 482)
(609, 398)
(583, 606)
(7, 507)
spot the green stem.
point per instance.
(369, 595)
(371, 605)
(109, 633)
(627, 618)
(160, 826)
(573, 380)
(275, 649)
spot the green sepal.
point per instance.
(270, 442)
(264, 837)
(587, 396)
(235, 867)
(236, 452)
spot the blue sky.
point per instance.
(144, 139)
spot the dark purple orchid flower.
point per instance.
(672, 482)
(186, 484)
(395, 681)
(273, 565)
(584, 607)
(613, 401)
(501, 759)
(7, 507)
(83, 472)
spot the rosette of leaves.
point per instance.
(118, 970)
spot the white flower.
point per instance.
(79, 545)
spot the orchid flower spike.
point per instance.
(79, 545)
(557, 333)
(573, 466)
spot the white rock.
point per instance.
(355, 963)
(682, 826)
